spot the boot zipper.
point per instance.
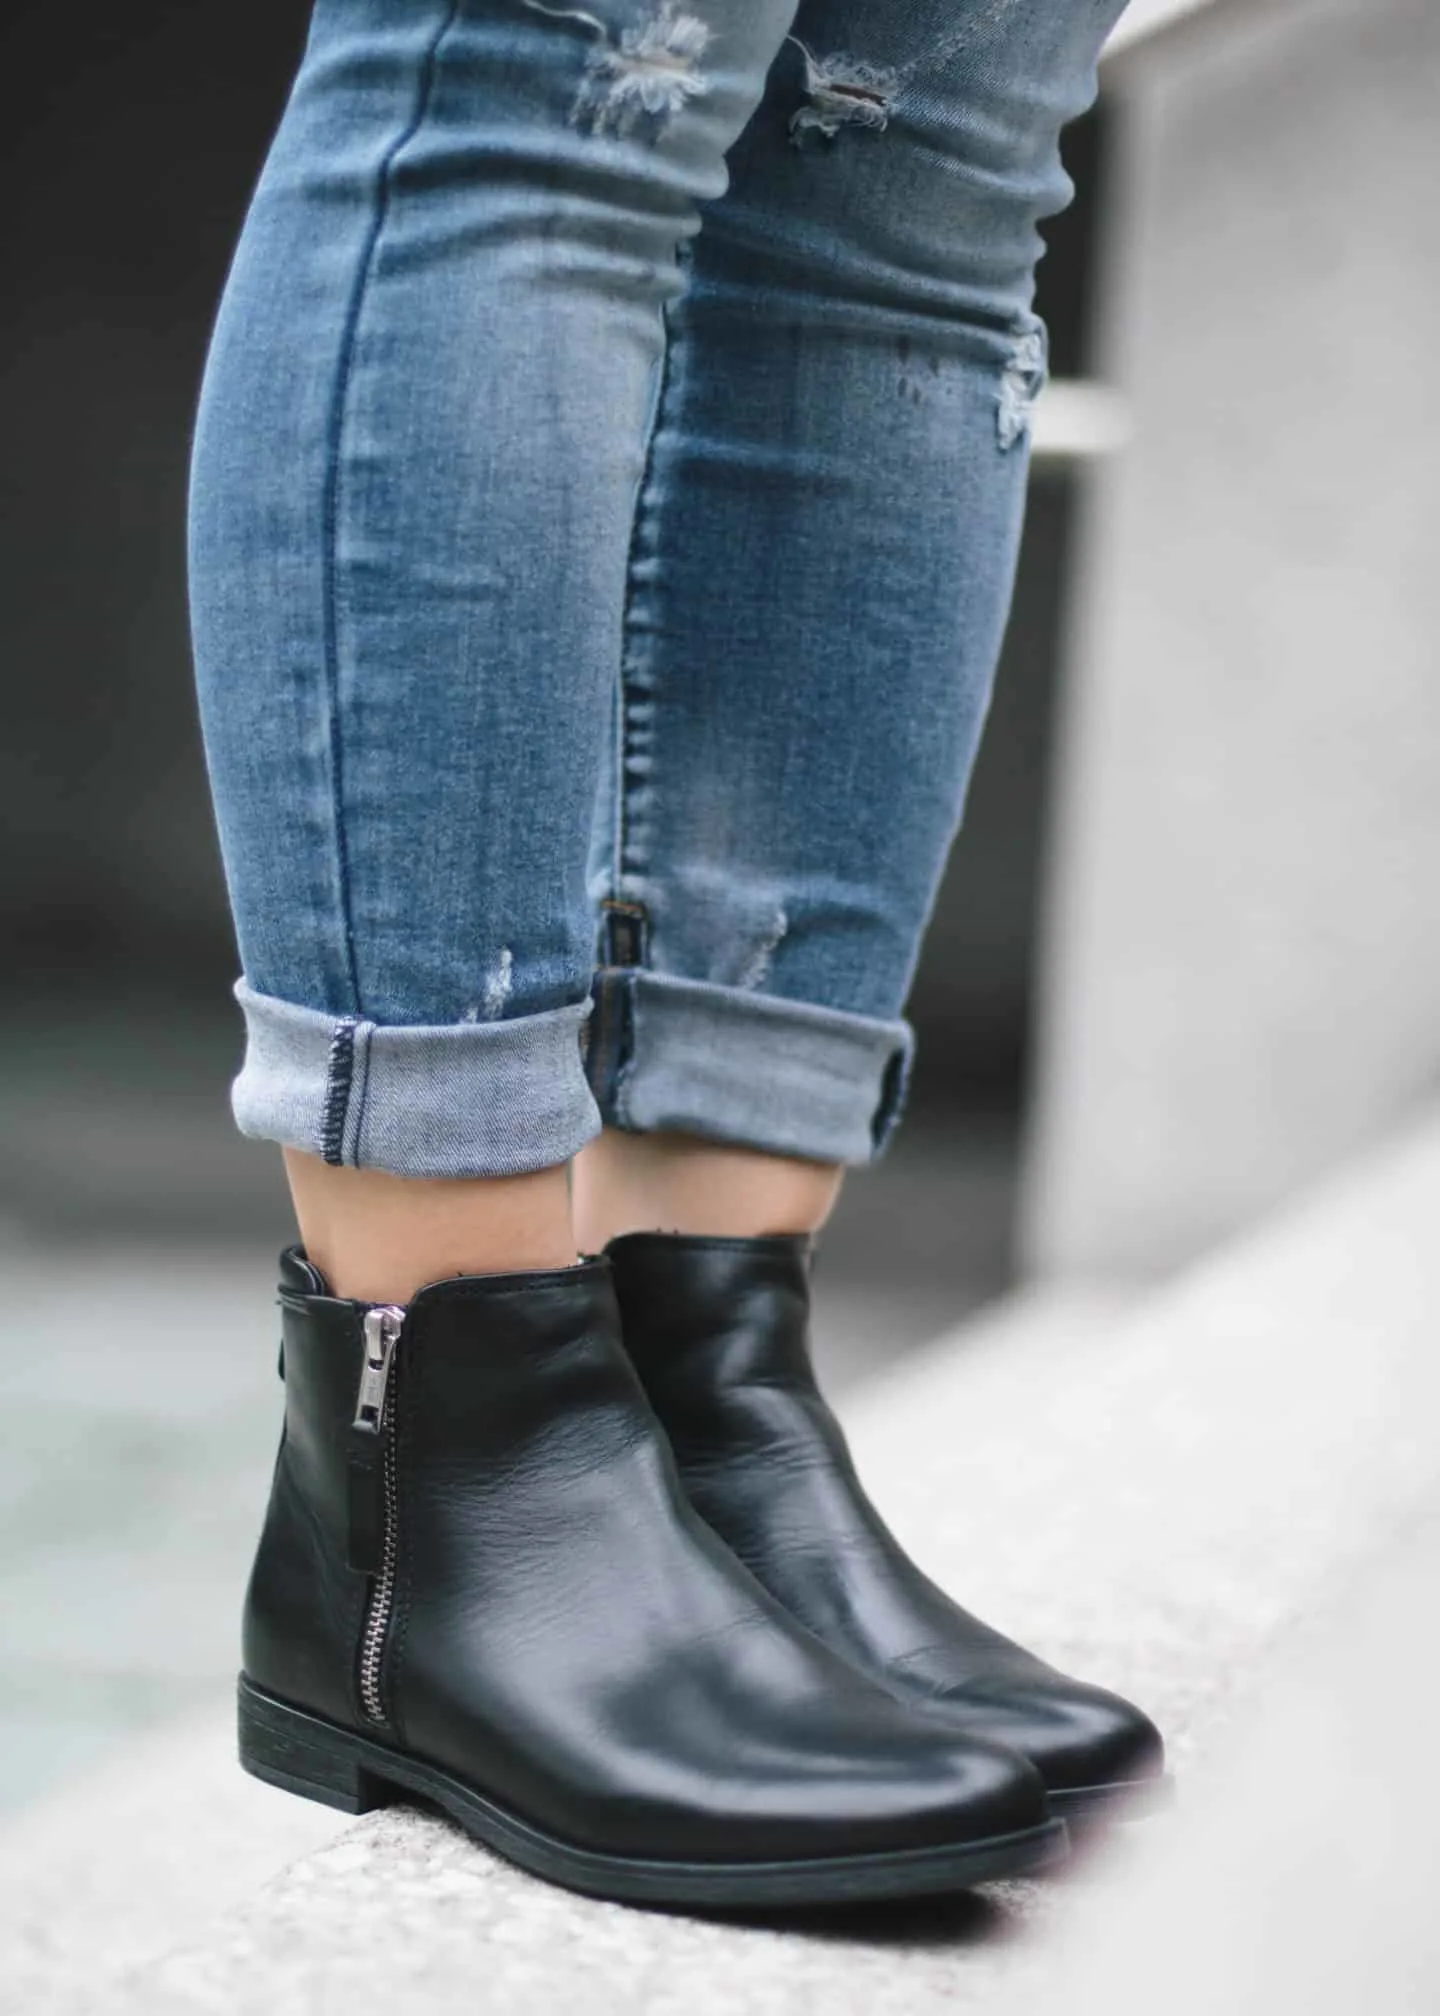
(382, 1326)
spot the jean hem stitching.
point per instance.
(339, 1074)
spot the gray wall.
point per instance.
(1242, 970)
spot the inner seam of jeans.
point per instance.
(609, 1052)
(359, 1090)
(894, 1094)
(331, 500)
(641, 537)
(624, 929)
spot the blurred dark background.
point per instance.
(134, 137)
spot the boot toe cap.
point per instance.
(935, 1789)
(976, 1790)
(1077, 1736)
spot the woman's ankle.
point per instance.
(679, 1183)
(378, 1238)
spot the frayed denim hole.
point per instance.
(1021, 382)
(841, 91)
(640, 76)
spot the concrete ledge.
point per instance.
(137, 1856)
(1240, 984)
(1303, 1877)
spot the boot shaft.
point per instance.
(397, 1422)
(304, 1606)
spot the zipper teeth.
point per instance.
(382, 1598)
(390, 1320)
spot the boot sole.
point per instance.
(319, 1760)
(1125, 1799)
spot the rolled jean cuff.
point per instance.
(463, 1099)
(690, 1057)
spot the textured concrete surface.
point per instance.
(1174, 1503)
(1242, 981)
(135, 1853)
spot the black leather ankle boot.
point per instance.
(480, 1582)
(718, 1331)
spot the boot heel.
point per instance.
(290, 1749)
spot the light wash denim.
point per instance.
(606, 491)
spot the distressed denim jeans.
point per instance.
(606, 491)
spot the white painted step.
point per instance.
(1167, 1503)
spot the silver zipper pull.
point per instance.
(382, 1334)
